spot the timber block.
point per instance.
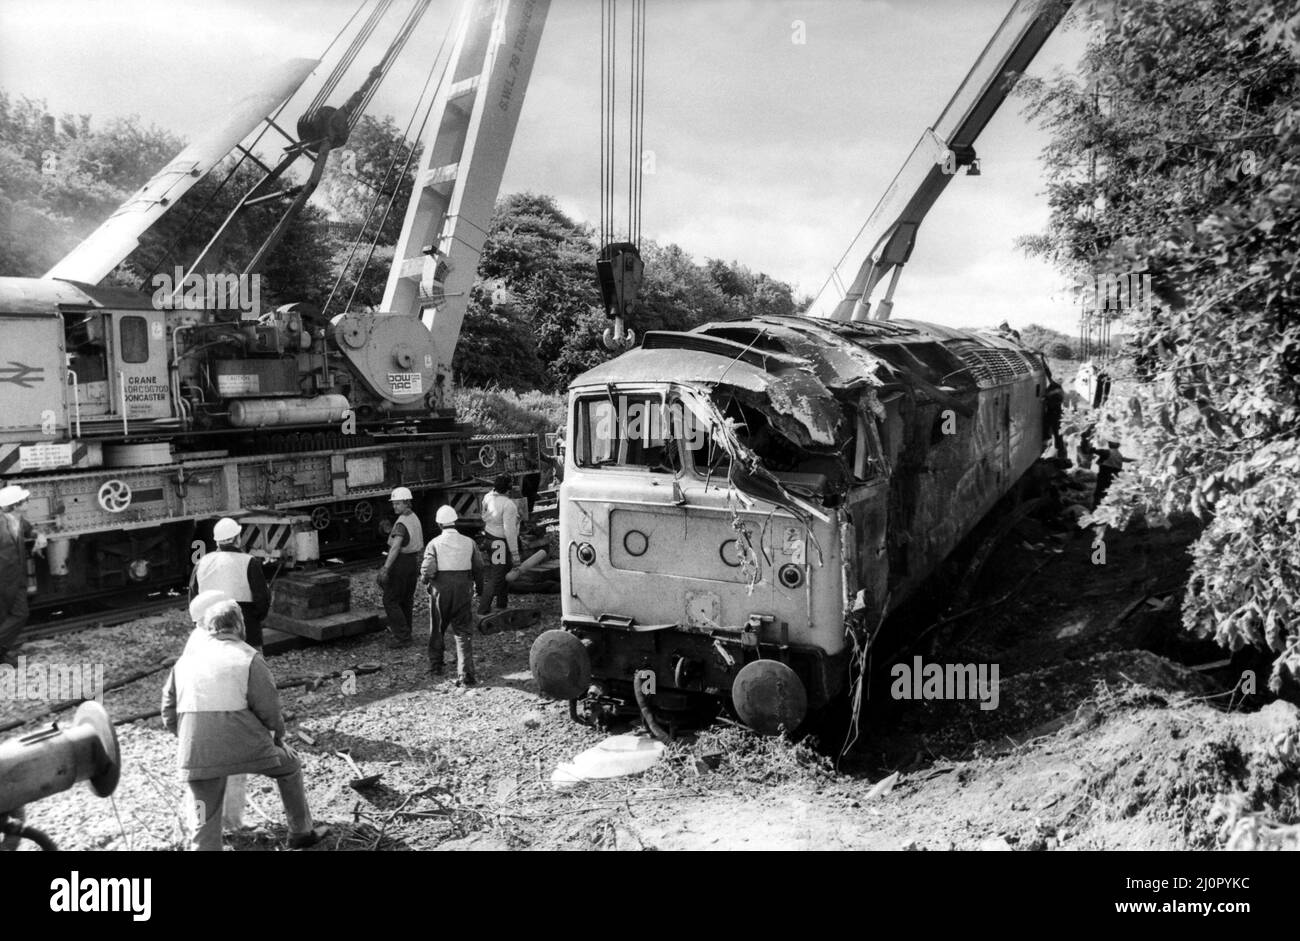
(312, 584)
(330, 627)
(304, 610)
(274, 642)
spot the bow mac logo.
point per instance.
(20, 374)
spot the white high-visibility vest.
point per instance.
(415, 531)
(212, 675)
(225, 571)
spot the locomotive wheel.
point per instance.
(363, 511)
(560, 664)
(769, 697)
(320, 517)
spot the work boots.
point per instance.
(465, 660)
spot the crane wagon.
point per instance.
(135, 419)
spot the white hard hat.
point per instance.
(13, 495)
(446, 516)
(205, 600)
(226, 530)
(401, 493)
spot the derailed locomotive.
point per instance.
(743, 502)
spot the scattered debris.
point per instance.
(617, 756)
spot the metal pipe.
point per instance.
(76, 400)
(647, 716)
(121, 382)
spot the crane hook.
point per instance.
(618, 337)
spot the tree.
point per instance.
(364, 174)
(1180, 159)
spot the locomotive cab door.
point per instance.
(86, 340)
(139, 365)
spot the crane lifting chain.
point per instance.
(619, 267)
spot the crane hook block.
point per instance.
(619, 268)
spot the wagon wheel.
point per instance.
(487, 455)
(363, 512)
(320, 517)
(115, 495)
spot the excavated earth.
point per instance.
(1104, 737)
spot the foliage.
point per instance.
(1181, 158)
(494, 411)
(1046, 340)
(365, 175)
(535, 319)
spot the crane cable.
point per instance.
(410, 157)
(418, 9)
(244, 155)
(636, 123)
(609, 119)
(349, 56)
(608, 81)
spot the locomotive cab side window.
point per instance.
(633, 431)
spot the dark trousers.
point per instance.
(1104, 476)
(252, 625)
(495, 586)
(451, 607)
(13, 612)
(399, 594)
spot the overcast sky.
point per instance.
(766, 151)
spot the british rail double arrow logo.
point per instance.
(20, 374)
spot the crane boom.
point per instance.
(110, 244)
(884, 243)
(474, 118)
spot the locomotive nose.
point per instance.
(560, 664)
(769, 697)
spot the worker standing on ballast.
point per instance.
(401, 569)
(453, 570)
(15, 531)
(501, 531)
(239, 575)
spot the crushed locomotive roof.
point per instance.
(808, 377)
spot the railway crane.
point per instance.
(135, 419)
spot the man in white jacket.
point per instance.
(501, 551)
(221, 702)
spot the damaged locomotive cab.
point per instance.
(747, 490)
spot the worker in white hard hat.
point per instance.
(453, 570)
(401, 571)
(15, 532)
(236, 573)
